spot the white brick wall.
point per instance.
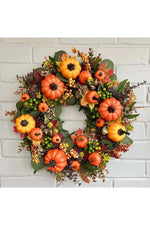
(132, 60)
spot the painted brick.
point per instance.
(31, 181)
(148, 131)
(9, 71)
(139, 150)
(74, 126)
(125, 55)
(30, 40)
(144, 114)
(132, 182)
(84, 41)
(7, 92)
(15, 54)
(72, 113)
(140, 93)
(6, 131)
(134, 41)
(125, 168)
(117, 55)
(148, 168)
(10, 149)
(136, 135)
(15, 167)
(131, 72)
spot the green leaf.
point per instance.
(107, 143)
(132, 116)
(19, 105)
(126, 141)
(38, 166)
(71, 101)
(113, 77)
(34, 113)
(69, 142)
(59, 75)
(121, 85)
(57, 56)
(65, 133)
(46, 118)
(58, 110)
(131, 105)
(109, 63)
(90, 124)
(51, 59)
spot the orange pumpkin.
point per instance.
(55, 160)
(36, 134)
(52, 87)
(100, 122)
(56, 139)
(25, 97)
(92, 97)
(81, 141)
(100, 75)
(84, 76)
(75, 165)
(43, 107)
(110, 109)
(95, 158)
(70, 68)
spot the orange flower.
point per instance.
(107, 72)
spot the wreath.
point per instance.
(109, 106)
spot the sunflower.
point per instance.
(25, 123)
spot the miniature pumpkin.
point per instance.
(70, 68)
(116, 132)
(100, 122)
(95, 158)
(25, 123)
(25, 97)
(56, 139)
(43, 107)
(92, 97)
(100, 75)
(75, 165)
(52, 87)
(84, 76)
(81, 141)
(110, 109)
(55, 160)
(36, 134)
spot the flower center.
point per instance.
(53, 86)
(24, 123)
(111, 109)
(71, 66)
(100, 74)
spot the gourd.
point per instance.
(42, 107)
(81, 141)
(25, 123)
(70, 68)
(84, 76)
(116, 132)
(75, 165)
(110, 109)
(100, 122)
(92, 97)
(52, 87)
(25, 97)
(55, 160)
(36, 134)
(95, 158)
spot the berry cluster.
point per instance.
(47, 143)
(91, 147)
(104, 94)
(32, 103)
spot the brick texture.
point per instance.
(20, 55)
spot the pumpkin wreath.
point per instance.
(109, 106)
